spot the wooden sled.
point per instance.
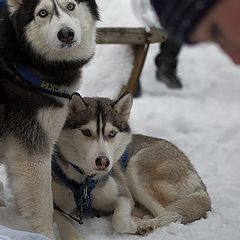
(140, 39)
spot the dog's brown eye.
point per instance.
(112, 133)
(42, 13)
(87, 133)
(71, 6)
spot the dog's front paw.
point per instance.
(149, 225)
(146, 227)
(125, 225)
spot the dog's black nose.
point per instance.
(102, 163)
(66, 35)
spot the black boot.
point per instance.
(166, 73)
(166, 62)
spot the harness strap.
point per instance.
(72, 185)
(57, 208)
(78, 169)
(81, 192)
(123, 161)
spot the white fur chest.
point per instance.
(105, 196)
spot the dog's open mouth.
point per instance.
(69, 45)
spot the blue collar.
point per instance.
(32, 79)
(25, 76)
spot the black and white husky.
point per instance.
(99, 165)
(43, 45)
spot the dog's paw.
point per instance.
(146, 227)
(125, 225)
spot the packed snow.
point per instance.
(202, 119)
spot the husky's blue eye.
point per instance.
(71, 6)
(42, 13)
(86, 133)
(112, 133)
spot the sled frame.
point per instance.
(139, 39)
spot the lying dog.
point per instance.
(43, 45)
(98, 164)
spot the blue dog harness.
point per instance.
(82, 192)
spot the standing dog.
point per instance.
(43, 45)
(117, 171)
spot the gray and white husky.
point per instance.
(43, 45)
(134, 175)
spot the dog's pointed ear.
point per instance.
(123, 106)
(14, 5)
(77, 104)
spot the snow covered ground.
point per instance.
(203, 120)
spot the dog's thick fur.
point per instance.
(159, 179)
(31, 121)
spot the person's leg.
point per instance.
(166, 62)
